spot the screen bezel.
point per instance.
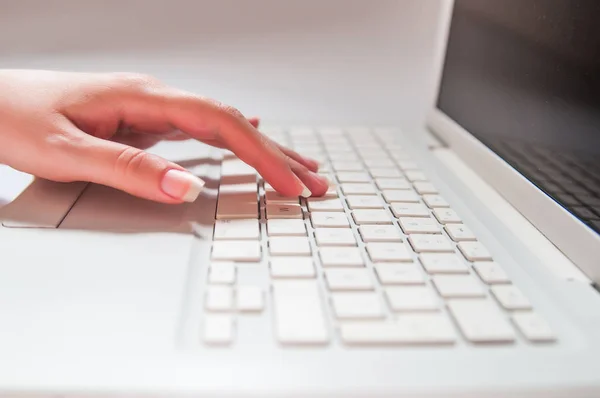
(576, 240)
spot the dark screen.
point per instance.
(523, 76)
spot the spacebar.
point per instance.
(299, 314)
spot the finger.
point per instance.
(254, 121)
(132, 170)
(309, 163)
(317, 184)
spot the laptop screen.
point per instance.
(523, 76)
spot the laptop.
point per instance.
(460, 259)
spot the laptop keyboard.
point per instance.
(382, 259)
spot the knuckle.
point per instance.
(130, 160)
(134, 81)
(227, 109)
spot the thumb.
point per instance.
(137, 172)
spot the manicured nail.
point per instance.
(306, 192)
(182, 185)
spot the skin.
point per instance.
(94, 127)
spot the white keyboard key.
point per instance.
(407, 165)
(417, 329)
(329, 219)
(414, 175)
(375, 160)
(331, 192)
(348, 279)
(249, 187)
(371, 216)
(443, 263)
(412, 298)
(358, 188)
(392, 183)
(250, 299)
(474, 251)
(292, 267)
(459, 232)
(341, 257)
(410, 210)
(276, 197)
(221, 273)
(433, 201)
(490, 272)
(325, 204)
(282, 210)
(364, 202)
(218, 329)
(534, 327)
(424, 187)
(383, 172)
(481, 321)
(384, 252)
(419, 225)
(357, 305)
(458, 286)
(335, 237)
(446, 216)
(353, 176)
(276, 227)
(342, 165)
(380, 233)
(239, 210)
(236, 250)
(219, 298)
(430, 243)
(298, 313)
(289, 246)
(511, 297)
(237, 229)
(394, 195)
(399, 274)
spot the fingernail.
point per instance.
(306, 192)
(182, 185)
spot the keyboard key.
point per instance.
(218, 329)
(348, 279)
(250, 299)
(458, 286)
(221, 273)
(433, 201)
(375, 160)
(282, 210)
(381, 172)
(335, 237)
(481, 321)
(534, 327)
(459, 232)
(394, 195)
(341, 257)
(430, 243)
(285, 227)
(228, 210)
(353, 176)
(490, 272)
(289, 246)
(357, 305)
(356, 188)
(250, 187)
(383, 251)
(412, 298)
(446, 216)
(292, 267)
(219, 298)
(236, 229)
(443, 263)
(414, 175)
(364, 202)
(325, 204)
(510, 297)
(371, 216)
(399, 274)
(329, 219)
(423, 187)
(299, 316)
(392, 183)
(474, 251)
(419, 225)
(380, 233)
(275, 197)
(236, 250)
(410, 210)
(341, 165)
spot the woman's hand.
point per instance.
(93, 127)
